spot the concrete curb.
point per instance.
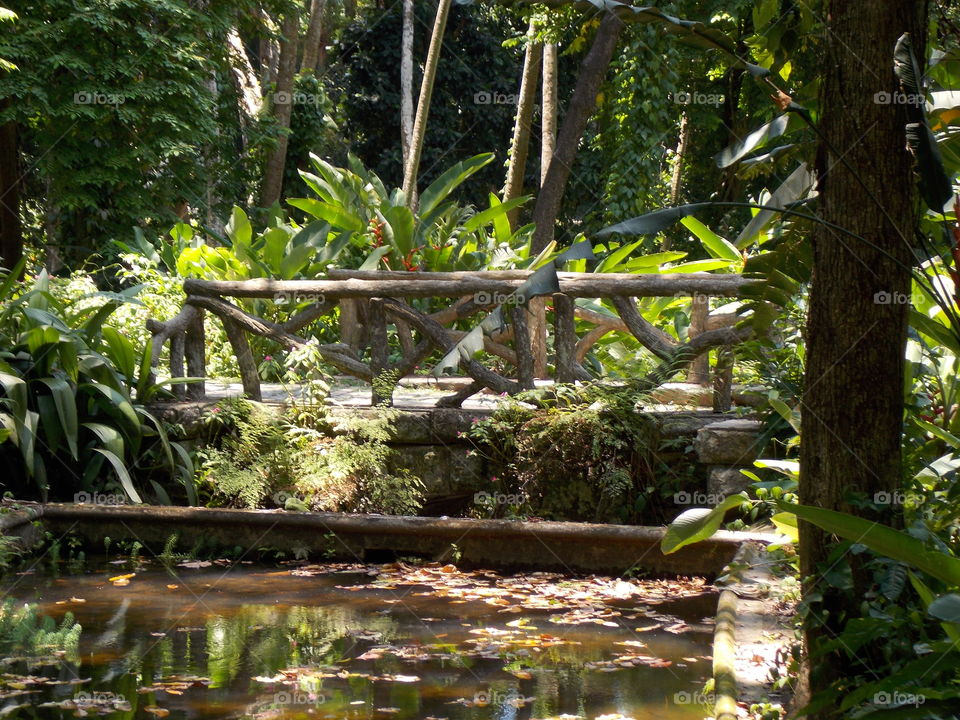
(500, 544)
(748, 636)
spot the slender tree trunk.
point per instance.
(282, 103)
(406, 80)
(853, 396)
(582, 104)
(245, 79)
(311, 41)
(548, 109)
(677, 170)
(520, 145)
(423, 104)
(11, 231)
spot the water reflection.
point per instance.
(259, 643)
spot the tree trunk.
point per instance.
(677, 170)
(853, 397)
(548, 109)
(582, 104)
(311, 42)
(282, 103)
(423, 104)
(11, 231)
(406, 81)
(513, 187)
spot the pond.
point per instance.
(398, 641)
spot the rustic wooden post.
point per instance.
(521, 345)
(177, 341)
(351, 331)
(194, 348)
(538, 336)
(723, 380)
(382, 386)
(248, 368)
(699, 371)
(565, 338)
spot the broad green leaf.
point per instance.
(238, 228)
(120, 469)
(336, 215)
(121, 352)
(398, 229)
(493, 212)
(717, 246)
(66, 406)
(696, 524)
(373, 259)
(653, 222)
(786, 523)
(440, 188)
(697, 266)
(946, 608)
(883, 540)
(109, 437)
(759, 137)
(274, 248)
(614, 259)
(796, 187)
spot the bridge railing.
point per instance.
(374, 304)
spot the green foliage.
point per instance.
(128, 112)
(580, 462)
(36, 639)
(300, 461)
(73, 399)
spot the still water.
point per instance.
(365, 642)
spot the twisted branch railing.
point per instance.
(372, 302)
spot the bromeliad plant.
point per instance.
(442, 235)
(72, 415)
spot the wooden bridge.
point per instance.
(374, 304)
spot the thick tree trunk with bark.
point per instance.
(311, 41)
(581, 107)
(520, 144)
(423, 104)
(11, 232)
(282, 103)
(853, 396)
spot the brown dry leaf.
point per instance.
(117, 578)
(121, 582)
(156, 711)
(173, 587)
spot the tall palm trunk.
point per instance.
(423, 104)
(282, 103)
(521, 129)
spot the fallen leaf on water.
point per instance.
(173, 587)
(157, 711)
